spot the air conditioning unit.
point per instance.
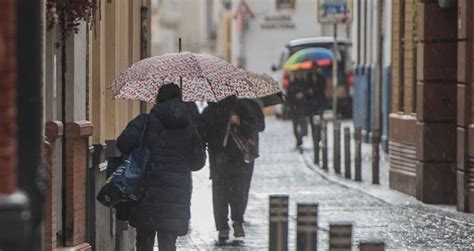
(448, 4)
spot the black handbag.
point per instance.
(246, 146)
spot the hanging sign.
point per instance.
(334, 11)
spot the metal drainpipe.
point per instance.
(30, 24)
(144, 15)
(64, 232)
(359, 21)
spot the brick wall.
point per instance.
(7, 97)
(53, 131)
(77, 134)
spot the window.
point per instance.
(285, 4)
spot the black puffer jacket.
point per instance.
(175, 151)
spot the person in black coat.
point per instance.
(298, 106)
(194, 111)
(175, 150)
(316, 100)
(306, 99)
(230, 171)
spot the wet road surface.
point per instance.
(376, 212)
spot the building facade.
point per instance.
(430, 126)
(81, 116)
(278, 21)
(23, 177)
(365, 35)
(195, 22)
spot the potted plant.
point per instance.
(68, 15)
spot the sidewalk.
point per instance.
(376, 211)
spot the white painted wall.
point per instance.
(387, 54)
(179, 18)
(76, 81)
(262, 46)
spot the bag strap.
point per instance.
(142, 133)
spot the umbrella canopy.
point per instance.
(305, 59)
(263, 84)
(201, 77)
(266, 88)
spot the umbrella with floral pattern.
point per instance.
(266, 88)
(263, 84)
(201, 77)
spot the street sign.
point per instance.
(334, 11)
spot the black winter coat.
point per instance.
(213, 124)
(175, 150)
(297, 105)
(313, 100)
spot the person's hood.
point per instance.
(173, 114)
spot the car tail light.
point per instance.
(350, 79)
(286, 81)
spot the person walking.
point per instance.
(175, 150)
(315, 98)
(297, 104)
(230, 167)
(252, 109)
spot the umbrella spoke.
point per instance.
(212, 89)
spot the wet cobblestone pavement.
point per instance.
(376, 212)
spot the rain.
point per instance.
(236, 125)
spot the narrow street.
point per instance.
(75, 74)
(375, 211)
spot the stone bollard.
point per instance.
(307, 227)
(337, 147)
(375, 156)
(371, 246)
(358, 153)
(278, 219)
(324, 139)
(347, 152)
(316, 131)
(340, 236)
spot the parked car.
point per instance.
(345, 71)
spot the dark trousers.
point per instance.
(146, 240)
(300, 128)
(248, 172)
(228, 190)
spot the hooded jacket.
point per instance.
(213, 124)
(175, 151)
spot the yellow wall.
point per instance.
(409, 57)
(114, 44)
(224, 35)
